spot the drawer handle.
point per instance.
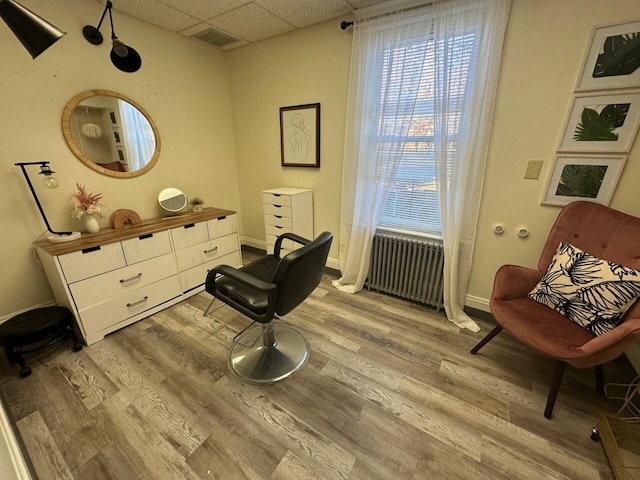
(278, 206)
(148, 235)
(138, 302)
(135, 277)
(221, 218)
(211, 250)
(277, 194)
(278, 227)
(278, 216)
(90, 249)
(191, 225)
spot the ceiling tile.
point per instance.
(302, 13)
(156, 13)
(203, 9)
(251, 22)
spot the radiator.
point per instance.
(407, 267)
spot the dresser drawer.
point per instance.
(91, 261)
(219, 227)
(115, 310)
(189, 235)
(196, 276)
(112, 284)
(275, 230)
(192, 256)
(145, 247)
(285, 245)
(276, 210)
(278, 220)
(276, 199)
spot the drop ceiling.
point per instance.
(228, 24)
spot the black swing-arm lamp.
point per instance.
(50, 182)
(34, 32)
(123, 57)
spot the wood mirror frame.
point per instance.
(78, 152)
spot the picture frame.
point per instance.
(602, 123)
(300, 135)
(583, 177)
(612, 61)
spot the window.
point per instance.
(412, 202)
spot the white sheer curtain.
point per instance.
(139, 139)
(459, 164)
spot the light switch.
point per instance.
(533, 169)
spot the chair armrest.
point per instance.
(608, 346)
(514, 281)
(241, 277)
(290, 236)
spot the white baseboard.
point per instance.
(633, 354)
(262, 245)
(48, 303)
(478, 303)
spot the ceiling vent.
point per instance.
(215, 37)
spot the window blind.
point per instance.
(409, 71)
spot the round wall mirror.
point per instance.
(111, 133)
(172, 200)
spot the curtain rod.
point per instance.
(384, 9)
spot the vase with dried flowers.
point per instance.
(88, 205)
(197, 204)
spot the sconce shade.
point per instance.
(123, 57)
(34, 32)
(131, 62)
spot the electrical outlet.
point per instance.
(533, 169)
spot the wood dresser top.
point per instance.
(110, 235)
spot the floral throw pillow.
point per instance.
(589, 291)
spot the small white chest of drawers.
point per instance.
(116, 277)
(287, 210)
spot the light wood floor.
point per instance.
(390, 392)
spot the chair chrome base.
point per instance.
(263, 356)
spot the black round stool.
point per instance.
(38, 329)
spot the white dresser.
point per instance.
(287, 210)
(116, 277)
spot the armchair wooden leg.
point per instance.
(486, 339)
(558, 371)
(600, 379)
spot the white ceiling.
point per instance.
(243, 20)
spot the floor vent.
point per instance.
(215, 37)
(407, 267)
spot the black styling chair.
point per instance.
(265, 290)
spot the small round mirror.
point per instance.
(172, 200)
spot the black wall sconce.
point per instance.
(34, 32)
(49, 181)
(123, 57)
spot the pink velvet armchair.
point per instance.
(602, 232)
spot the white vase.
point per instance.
(92, 223)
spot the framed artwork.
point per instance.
(583, 177)
(613, 58)
(602, 123)
(300, 135)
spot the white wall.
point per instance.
(212, 107)
(308, 66)
(183, 85)
(544, 49)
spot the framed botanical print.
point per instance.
(583, 177)
(613, 58)
(300, 135)
(602, 123)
